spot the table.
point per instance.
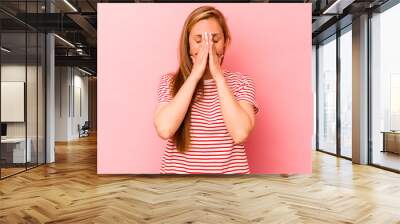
(16, 151)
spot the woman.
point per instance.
(204, 112)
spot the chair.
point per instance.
(84, 130)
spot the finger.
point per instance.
(205, 49)
(209, 37)
(211, 51)
(207, 45)
(206, 39)
(216, 57)
(211, 44)
(203, 59)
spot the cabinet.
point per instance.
(391, 142)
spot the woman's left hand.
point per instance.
(214, 61)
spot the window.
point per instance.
(385, 88)
(327, 95)
(346, 75)
(22, 66)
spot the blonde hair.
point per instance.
(182, 135)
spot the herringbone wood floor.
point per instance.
(70, 191)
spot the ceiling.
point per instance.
(76, 22)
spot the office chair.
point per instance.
(84, 130)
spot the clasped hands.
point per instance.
(207, 54)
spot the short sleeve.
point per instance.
(163, 92)
(247, 91)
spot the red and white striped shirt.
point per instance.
(212, 148)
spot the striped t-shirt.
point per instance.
(212, 149)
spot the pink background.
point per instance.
(139, 42)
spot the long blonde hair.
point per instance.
(182, 135)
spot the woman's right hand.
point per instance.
(201, 59)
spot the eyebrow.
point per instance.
(213, 34)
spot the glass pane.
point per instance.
(346, 93)
(32, 95)
(14, 153)
(314, 62)
(22, 88)
(41, 98)
(386, 89)
(31, 85)
(327, 96)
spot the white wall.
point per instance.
(70, 83)
(15, 72)
(62, 81)
(79, 117)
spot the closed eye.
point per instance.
(216, 37)
(215, 41)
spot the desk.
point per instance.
(391, 141)
(16, 151)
